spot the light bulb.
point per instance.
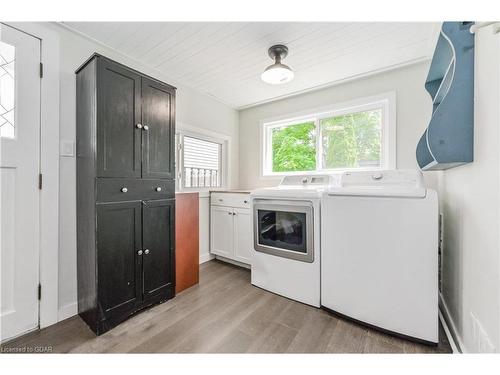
(277, 74)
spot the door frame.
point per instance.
(49, 167)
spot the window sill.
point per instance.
(280, 175)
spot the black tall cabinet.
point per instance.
(125, 192)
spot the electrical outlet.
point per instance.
(481, 341)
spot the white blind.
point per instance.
(201, 161)
(201, 154)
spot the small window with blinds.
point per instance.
(201, 163)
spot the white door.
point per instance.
(243, 235)
(19, 168)
(221, 231)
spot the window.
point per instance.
(344, 138)
(199, 161)
(352, 140)
(7, 90)
(294, 147)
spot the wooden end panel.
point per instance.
(187, 247)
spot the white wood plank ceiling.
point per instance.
(225, 60)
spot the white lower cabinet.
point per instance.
(231, 227)
(242, 234)
(221, 236)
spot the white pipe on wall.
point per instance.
(479, 25)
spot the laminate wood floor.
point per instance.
(223, 314)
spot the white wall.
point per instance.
(413, 114)
(470, 207)
(193, 108)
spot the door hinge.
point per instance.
(40, 181)
(39, 292)
(41, 70)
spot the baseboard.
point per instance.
(206, 257)
(450, 328)
(4, 341)
(67, 311)
(235, 262)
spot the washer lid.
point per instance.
(390, 183)
(299, 186)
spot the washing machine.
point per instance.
(379, 255)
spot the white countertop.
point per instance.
(237, 191)
(206, 193)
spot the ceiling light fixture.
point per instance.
(277, 73)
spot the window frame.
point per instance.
(203, 135)
(385, 101)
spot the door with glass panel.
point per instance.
(19, 169)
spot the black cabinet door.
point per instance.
(158, 242)
(118, 260)
(118, 113)
(158, 117)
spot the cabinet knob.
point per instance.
(139, 126)
(221, 200)
(158, 188)
(245, 201)
(146, 251)
(139, 252)
(124, 189)
(145, 127)
(229, 213)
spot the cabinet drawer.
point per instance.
(230, 200)
(127, 189)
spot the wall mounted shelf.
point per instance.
(449, 139)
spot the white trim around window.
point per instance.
(206, 135)
(384, 101)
